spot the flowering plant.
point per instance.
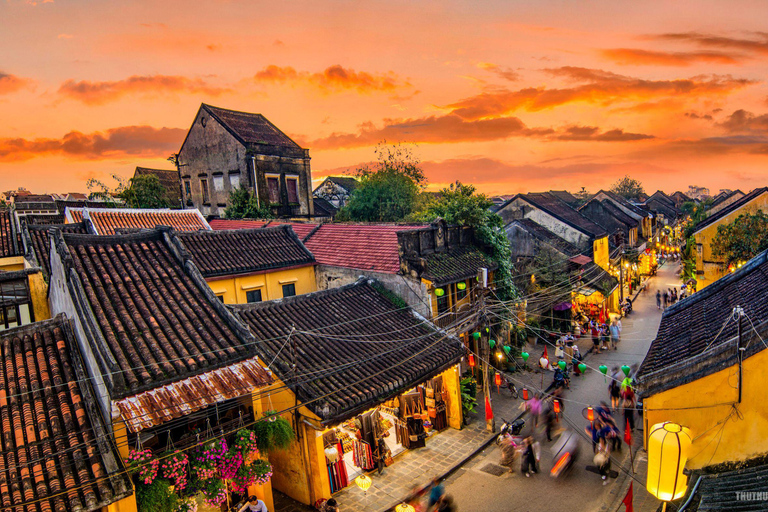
(143, 464)
(175, 468)
(246, 442)
(215, 493)
(203, 463)
(259, 472)
(230, 463)
(187, 505)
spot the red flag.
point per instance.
(627, 501)
(488, 410)
(627, 434)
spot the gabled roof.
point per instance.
(689, 328)
(40, 243)
(323, 208)
(457, 264)
(242, 251)
(724, 196)
(619, 214)
(564, 213)
(9, 240)
(594, 276)
(619, 200)
(250, 128)
(348, 183)
(152, 319)
(664, 198)
(565, 197)
(55, 452)
(361, 351)
(219, 224)
(544, 235)
(168, 178)
(730, 208)
(106, 220)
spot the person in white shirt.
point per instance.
(253, 504)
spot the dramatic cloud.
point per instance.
(742, 121)
(637, 57)
(592, 133)
(750, 45)
(601, 87)
(694, 115)
(11, 83)
(333, 78)
(505, 73)
(97, 93)
(135, 141)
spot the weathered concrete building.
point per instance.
(226, 149)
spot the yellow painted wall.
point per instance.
(451, 381)
(632, 236)
(234, 288)
(124, 505)
(450, 291)
(38, 292)
(601, 253)
(715, 439)
(12, 263)
(706, 262)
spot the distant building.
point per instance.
(699, 193)
(226, 149)
(169, 179)
(336, 189)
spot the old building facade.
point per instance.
(226, 149)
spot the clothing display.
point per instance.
(337, 473)
(363, 455)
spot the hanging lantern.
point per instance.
(487, 329)
(497, 379)
(404, 507)
(461, 286)
(507, 349)
(439, 292)
(363, 482)
(556, 404)
(525, 356)
(471, 360)
(492, 343)
(499, 356)
(476, 335)
(626, 369)
(582, 367)
(668, 448)
(604, 370)
(590, 413)
(526, 395)
(562, 365)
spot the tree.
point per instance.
(628, 188)
(100, 191)
(145, 192)
(742, 239)
(242, 204)
(388, 189)
(462, 205)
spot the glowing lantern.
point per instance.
(544, 362)
(526, 396)
(668, 448)
(626, 369)
(604, 370)
(461, 286)
(499, 356)
(507, 349)
(497, 380)
(439, 292)
(556, 403)
(590, 413)
(492, 343)
(363, 482)
(582, 367)
(471, 360)
(525, 356)
(562, 365)
(404, 507)
(476, 335)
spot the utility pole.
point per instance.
(485, 355)
(738, 310)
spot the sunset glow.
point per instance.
(510, 96)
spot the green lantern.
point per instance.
(491, 343)
(626, 369)
(582, 367)
(476, 335)
(487, 329)
(604, 370)
(461, 286)
(525, 356)
(562, 365)
(507, 349)
(439, 292)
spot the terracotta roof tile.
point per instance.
(217, 224)
(41, 242)
(457, 264)
(368, 349)
(250, 128)
(219, 253)
(50, 451)
(107, 220)
(9, 242)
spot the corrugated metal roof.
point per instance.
(157, 406)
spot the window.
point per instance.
(221, 298)
(442, 304)
(255, 296)
(292, 184)
(15, 304)
(273, 187)
(460, 294)
(289, 290)
(204, 187)
(187, 188)
(234, 181)
(218, 183)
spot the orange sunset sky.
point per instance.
(508, 95)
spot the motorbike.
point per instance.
(561, 379)
(565, 451)
(626, 307)
(510, 429)
(511, 387)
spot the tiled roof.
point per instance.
(169, 179)
(55, 454)
(240, 251)
(357, 346)
(593, 276)
(159, 320)
(661, 207)
(43, 218)
(346, 182)
(730, 208)
(9, 242)
(358, 246)
(217, 224)
(565, 213)
(619, 213)
(250, 128)
(616, 198)
(455, 265)
(565, 197)
(41, 242)
(302, 229)
(106, 220)
(544, 235)
(323, 208)
(740, 490)
(690, 326)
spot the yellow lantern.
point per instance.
(404, 507)
(363, 482)
(668, 448)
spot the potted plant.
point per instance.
(273, 432)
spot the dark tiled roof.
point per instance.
(740, 490)
(44, 218)
(250, 128)
(730, 208)
(169, 179)
(623, 202)
(619, 213)
(690, 326)
(9, 241)
(219, 224)
(664, 198)
(565, 213)
(346, 182)
(544, 235)
(240, 251)
(661, 207)
(54, 447)
(593, 276)
(159, 319)
(41, 242)
(455, 265)
(323, 208)
(106, 220)
(565, 197)
(365, 348)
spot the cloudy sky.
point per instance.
(508, 95)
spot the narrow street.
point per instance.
(581, 490)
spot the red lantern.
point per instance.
(557, 406)
(471, 360)
(498, 379)
(525, 394)
(590, 413)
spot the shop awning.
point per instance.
(563, 306)
(580, 259)
(586, 291)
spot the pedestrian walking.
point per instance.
(530, 458)
(435, 493)
(629, 403)
(615, 333)
(615, 391)
(665, 298)
(446, 504)
(658, 299)
(549, 422)
(508, 453)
